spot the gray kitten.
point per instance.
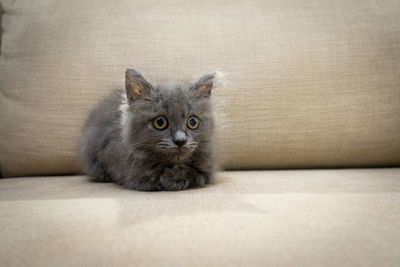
(154, 136)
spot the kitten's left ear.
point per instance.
(205, 84)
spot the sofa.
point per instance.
(308, 133)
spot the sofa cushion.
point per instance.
(250, 218)
(311, 83)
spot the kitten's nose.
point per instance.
(180, 138)
(180, 142)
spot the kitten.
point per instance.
(154, 136)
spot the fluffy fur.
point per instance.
(121, 144)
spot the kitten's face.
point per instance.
(172, 119)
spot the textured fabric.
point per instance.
(259, 218)
(310, 83)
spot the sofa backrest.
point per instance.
(309, 83)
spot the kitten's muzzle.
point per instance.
(180, 142)
(180, 138)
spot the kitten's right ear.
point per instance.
(136, 85)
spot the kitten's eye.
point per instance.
(193, 123)
(160, 123)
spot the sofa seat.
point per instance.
(336, 217)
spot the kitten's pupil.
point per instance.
(160, 122)
(192, 123)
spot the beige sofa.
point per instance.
(309, 133)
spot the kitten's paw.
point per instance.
(175, 178)
(145, 183)
(201, 180)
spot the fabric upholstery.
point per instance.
(249, 218)
(310, 83)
